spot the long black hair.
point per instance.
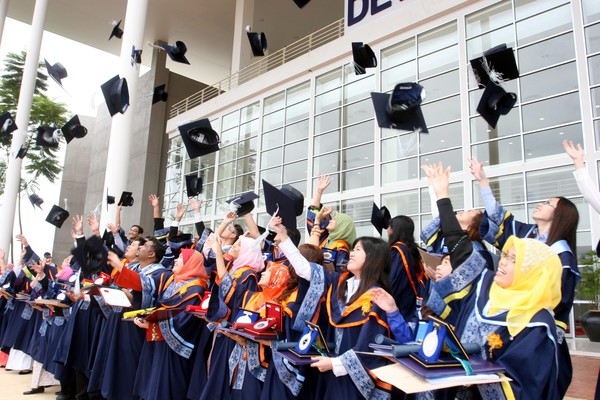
(564, 224)
(403, 230)
(374, 272)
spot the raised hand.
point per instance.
(477, 170)
(230, 217)
(323, 181)
(323, 213)
(384, 300)
(113, 228)
(575, 152)
(440, 180)
(179, 212)
(78, 225)
(154, 200)
(195, 204)
(280, 230)
(94, 223)
(22, 239)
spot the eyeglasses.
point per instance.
(547, 202)
(508, 257)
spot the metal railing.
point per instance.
(276, 59)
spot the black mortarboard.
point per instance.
(116, 31)
(56, 71)
(110, 199)
(289, 200)
(176, 52)
(36, 200)
(57, 216)
(495, 101)
(270, 236)
(199, 138)
(7, 123)
(258, 43)
(193, 184)
(380, 218)
(497, 64)
(22, 152)
(301, 3)
(73, 129)
(242, 204)
(116, 95)
(363, 57)
(181, 241)
(136, 55)
(126, 199)
(400, 109)
(159, 94)
(47, 136)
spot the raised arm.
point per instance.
(587, 187)
(322, 182)
(155, 203)
(428, 169)
(228, 219)
(484, 185)
(253, 231)
(215, 242)
(297, 260)
(197, 207)
(316, 231)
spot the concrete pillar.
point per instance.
(3, 13)
(13, 173)
(241, 53)
(119, 147)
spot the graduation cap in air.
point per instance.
(495, 102)
(289, 201)
(116, 31)
(159, 94)
(126, 199)
(56, 71)
(57, 216)
(116, 95)
(22, 152)
(48, 136)
(498, 65)
(36, 200)
(176, 52)
(242, 204)
(301, 3)
(136, 56)
(363, 57)
(199, 138)
(183, 240)
(380, 218)
(7, 123)
(258, 42)
(109, 199)
(193, 184)
(402, 108)
(73, 129)
(270, 236)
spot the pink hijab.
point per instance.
(250, 256)
(193, 266)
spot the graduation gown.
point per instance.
(495, 229)
(406, 285)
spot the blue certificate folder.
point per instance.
(479, 365)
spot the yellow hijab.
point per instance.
(535, 286)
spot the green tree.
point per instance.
(39, 161)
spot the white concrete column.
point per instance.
(241, 54)
(13, 173)
(119, 147)
(3, 13)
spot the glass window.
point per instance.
(357, 156)
(298, 93)
(273, 121)
(227, 153)
(359, 89)
(555, 111)
(401, 73)
(297, 112)
(439, 61)
(358, 111)
(296, 131)
(295, 171)
(399, 171)
(535, 86)
(594, 67)
(402, 203)
(451, 157)
(441, 86)
(273, 175)
(480, 44)
(549, 142)
(400, 146)
(250, 112)
(397, 54)
(441, 137)
(249, 129)
(591, 10)
(231, 120)
(271, 158)
(295, 151)
(543, 25)
(507, 125)
(329, 81)
(437, 39)
(328, 121)
(592, 38)
(229, 136)
(358, 134)
(359, 209)
(244, 183)
(326, 164)
(551, 182)
(527, 8)
(441, 111)
(227, 170)
(272, 139)
(499, 151)
(358, 178)
(490, 18)
(328, 100)
(546, 53)
(596, 102)
(507, 190)
(274, 103)
(247, 146)
(327, 142)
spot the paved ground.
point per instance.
(12, 385)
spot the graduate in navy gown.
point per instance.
(354, 317)
(508, 312)
(556, 221)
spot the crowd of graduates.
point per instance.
(505, 285)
